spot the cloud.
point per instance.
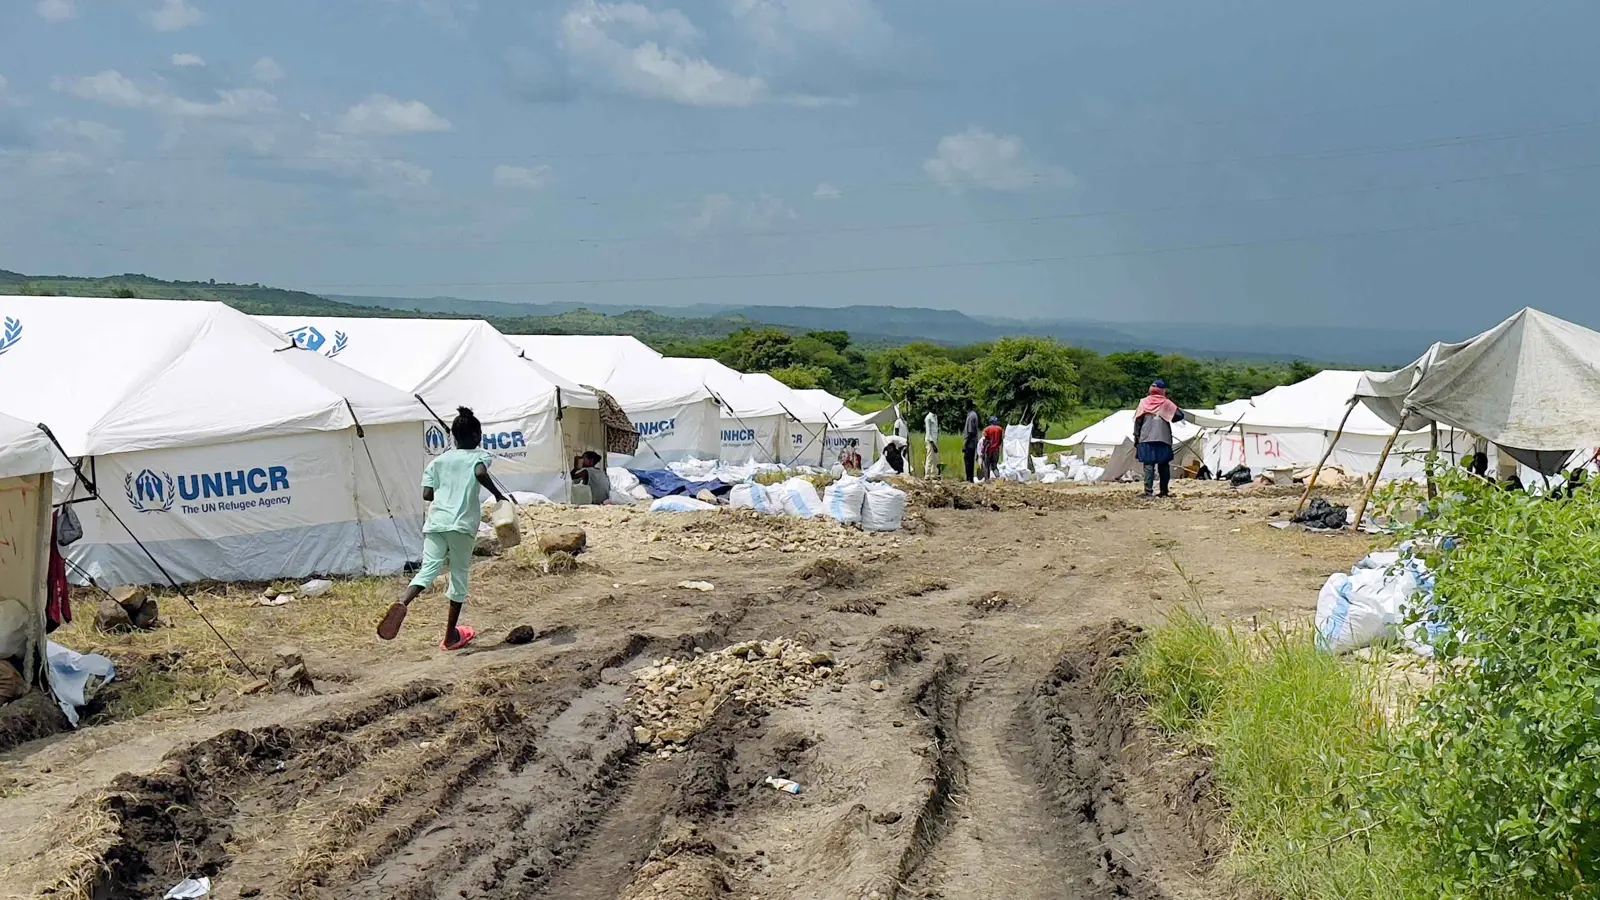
(188, 61)
(792, 27)
(453, 15)
(267, 71)
(826, 191)
(724, 213)
(976, 158)
(175, 15)
(523, 178)
(629, 49)
(56, 10)
(381, 115)
(112, 88)
(94, 135)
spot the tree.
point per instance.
(759, 351)
(838, 340)
(1099, 382)
(1138, 370)
(1300, 370)
(1027, 379)
(1188, 382)
(124, 294)
(802, 378)
(943, 388)
(889, 366)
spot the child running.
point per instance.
(451, 485)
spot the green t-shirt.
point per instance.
(456, 506)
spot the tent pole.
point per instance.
(1366, 497)
(1433, 434)
(1311, 483)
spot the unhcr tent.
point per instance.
(751, 416)
(27, 463)
(845, 423)
(231, 454)
(1101, 440)
(1526, 385)
(805, 441)
(447, 363)
(675, 414)
(1291, 426)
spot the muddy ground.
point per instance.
(971, 742)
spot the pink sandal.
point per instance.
(466, 634)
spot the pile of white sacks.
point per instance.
(872, 505)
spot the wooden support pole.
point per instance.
(1361, 508)
(1311, 482)
(1433, 433)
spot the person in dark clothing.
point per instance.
(894, 456)
(1152, 436)
(969, 444)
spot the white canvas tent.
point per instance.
(675, 414)
(1292, 426)
(751, 416)
(1524, 385)
(448, 363)
(1100, 440)
(805, 440)
(232, 454)
(845, 423)
(27, 463)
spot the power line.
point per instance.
(901, 226)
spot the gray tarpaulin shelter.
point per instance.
(1529, 385)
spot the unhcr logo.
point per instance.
(309, 337)
(149, 492)
(436, 440)
(661, 429)
(738, 435)
(11, 334)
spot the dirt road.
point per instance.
(970, 744)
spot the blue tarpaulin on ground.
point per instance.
(662, 483)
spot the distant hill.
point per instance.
(1374, 347)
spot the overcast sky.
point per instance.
(1221, 161)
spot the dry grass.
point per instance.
(72, 862)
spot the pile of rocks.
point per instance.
(743, 531)
(127, 608)
(673, 700)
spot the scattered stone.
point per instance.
(702, 586)
(877, 685)
(674, 699)
(705, 496)
(148, 616)
(288, 657)
(886, 818)
(643, 735)
(566, 540)
(113, 618)
(613, 675)
(130, 597)
(487, 544)
(522, 634)
(294, 679)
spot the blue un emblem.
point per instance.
(309, 337)
(10, 334)
(149, 491)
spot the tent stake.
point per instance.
(1311, 483)
(1366, 497)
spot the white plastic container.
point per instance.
(504, 519)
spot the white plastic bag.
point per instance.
(529, 498)
(1355, 610)
(799, 498)
(884, 509)
(754, 495)
(621, 479)
(843, 499)
(680, 503)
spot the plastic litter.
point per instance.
(316, 587)
(783, 784)
(74, 677)
(189, 889)
(529, 498)
(1375, 601)
(504, 519)
(702, 586)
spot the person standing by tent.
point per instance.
(452, 486)
(994, 438)
(969, 444)
(930, 433)
(901, 429)
(1152, 435)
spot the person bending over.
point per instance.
(452, 485)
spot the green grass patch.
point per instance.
(1298, 740)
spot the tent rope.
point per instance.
(383, 490)
(78, 472)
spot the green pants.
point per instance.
(454, 548)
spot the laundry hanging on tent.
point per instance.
(621, 436)
(58, 605)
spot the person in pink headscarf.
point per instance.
(1152, 436)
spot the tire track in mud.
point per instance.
(1054, 795)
